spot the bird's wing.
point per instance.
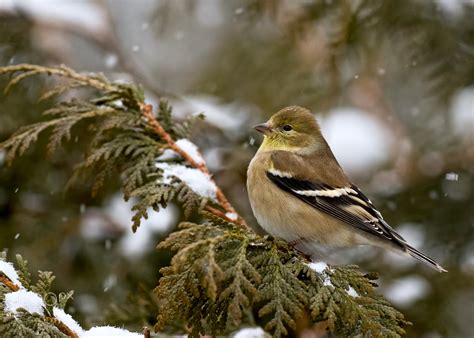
(346, 203)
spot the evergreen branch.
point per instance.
(243, 276)
(51, 319)
(263, 277)
(278, 283)
(126, 115)
(24, 273)
(27, 70)
(222, 275)
(24, 137)
(60, 90)
(20, 322)
(147, 111)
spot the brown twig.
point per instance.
(8, 283)
(147, 111)
(62, 327)
(217, 212)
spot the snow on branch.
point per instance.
(222, 277)
(190, 153)
(20, 303)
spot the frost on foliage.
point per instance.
(195, 179)
(9, 271)
(167, 155)
(320, 268)
(352, 292)
(41, 319)
(324, 271)
(188, 147)
(24, 299)
(67, 320)
(191, 149)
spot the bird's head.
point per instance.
(292, 129)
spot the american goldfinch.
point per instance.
(299, 193)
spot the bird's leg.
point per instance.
(294, 244)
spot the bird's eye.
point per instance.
(287, 127)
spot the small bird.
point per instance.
(299, 193)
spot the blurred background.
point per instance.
(391, 82)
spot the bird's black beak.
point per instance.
(264, 128)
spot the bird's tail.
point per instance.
(423, 258)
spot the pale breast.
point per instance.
(282, 215)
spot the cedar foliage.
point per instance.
(222, 276)
(25, 324)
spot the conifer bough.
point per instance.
(147, 110)
(223, 276)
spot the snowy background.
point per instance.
(400, 123)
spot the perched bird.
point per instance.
(299, 192)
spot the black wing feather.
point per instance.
(333, 206)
